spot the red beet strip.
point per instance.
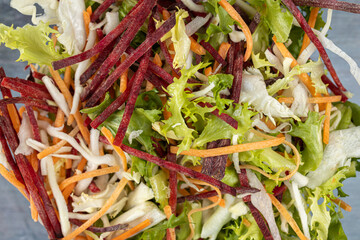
(172, 184)
(141, 50)
(237, 71)
(101, 229)
(226, 118)
(197, 197)
(230, 59)
(26, 88)
(113, 106)
(33, 123)
(123, 44)
(156, 81)
(213, 53)
(100, 46)
(334, 88)
(187, 171)
(332, 4)
(97, 63)
(307, 29)
(161, 73)
(10, 159)
(29, 183)
(101, 9)
(168, 57)
(30, 101)
(130, 105)
(4, 91)
(12, 138)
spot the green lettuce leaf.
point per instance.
(336, 231)
(160, 185)
(310, 133)
(346, 114)
(221, 82)
(178, 102)
(33, 43)
(355, 109)
(261, 38)
(278, 19)
(321, 219)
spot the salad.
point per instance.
(180, 119)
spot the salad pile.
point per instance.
(188, 119)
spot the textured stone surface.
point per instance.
(15, 219)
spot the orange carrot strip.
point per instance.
(67, 77)
(21, 111)
(230, 149)
(69, 189)
(312, 21)
(117, 149)
(326, 130)
(34, 212)
(124, 77)
(208, 71)
(46, 119)
(14, 117)
(246, 222)
(65, 91)
(296, 155)
(168, 213)
(204, 208)
(114, 196)
(54, 148)
(303, 77)
(183, 192)
(223, 50)
(342, 204)
(80, 238)
(12, 180)
(89, 238)
(236, 16)
(91, 174)
(59, 122)
(287, 216)
(133, 230)
(157, 60)
(326, 99)
(166, 14)
(86, 17)
(196, 47)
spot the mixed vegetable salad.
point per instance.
(184, 119)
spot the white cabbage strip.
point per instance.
(56, 95)
(24, 133)
(193, 6)
(263, 203)
(193, 26)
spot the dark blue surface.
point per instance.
(15, 219)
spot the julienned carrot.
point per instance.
(246, 222)
(327, 99)
(67, 78)
(276, 177)
(21, 110)
(91, 174)
(114, 196)
(208, 71)
(204, 208)
(59, 122)
(69, 99)
(80, 238)
(117, 149)
(166, 14)
(170, 231)
(157, 60)
(196, 47)
(133, 230)
(287, 216)
(86, 17)
(12, 179)
(326, 130)
(305, 78)
(230, 149)
(223, 50)
(69, 189)
(312, 21)
(14, 117)
(54, 148)
(123, 77)
(34, 212)
(236, 16)
(342, 204)
(46, 119)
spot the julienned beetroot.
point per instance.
(187, 171)
(331, 4)
(140, 51)
(31, 102)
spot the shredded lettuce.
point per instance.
(278, 19)
(310, 132)
(33, 43)
(160, 186)
(221, 82)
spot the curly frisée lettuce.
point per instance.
(33, 43)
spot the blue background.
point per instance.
(15, 219)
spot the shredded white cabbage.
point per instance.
(141, 194)
(56, 95)
(236, 36)
(193, 6)
(193, 26)
(112, 20)
(24, 133)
